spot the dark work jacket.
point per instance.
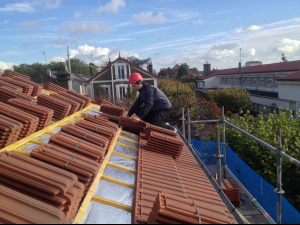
(152, 98)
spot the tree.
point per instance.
(80, 67)
(154, 71)
(283, 58)
(41, 79)
(139, 62)
(182, 70)
(28, 69)
(170, 72)
(163, 73)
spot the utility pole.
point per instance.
(69, 59)
(240, 68)
(43, 52)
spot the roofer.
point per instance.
(156, 108)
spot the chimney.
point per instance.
(109, 61)
(91, 69)
(150, 67)
(206, 69)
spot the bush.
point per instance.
(263, 160)
(189, 79)
(169, 87)
(233, 99)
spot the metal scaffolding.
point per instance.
(218, 155)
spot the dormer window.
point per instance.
(121, 72)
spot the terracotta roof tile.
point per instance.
(291, 77)
(283, 66)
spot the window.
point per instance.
(122, 93)
(269, 82)
(254, 81)
(220, 80)
(243, 81)
(200, 84)
(228, 81)
(121, 72)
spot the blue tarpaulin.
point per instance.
(255, 184)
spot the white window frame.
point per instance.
(220, 80)
(243, 81)
(117, 75)
(118, 90)
(269, 82)
(228, 80)
(254, 81)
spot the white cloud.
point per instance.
(286, 46)
(17, 7)
(249, 29)
(93, 27)
(4, 22)
(5, 66)
(58, 59)
(77, 15)
(112, 7)
(250, 52)
(52, 4)
(85, 53)
(197, 22)
(147, 18)
(29, 25)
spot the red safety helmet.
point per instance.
(135, 77)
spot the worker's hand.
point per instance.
(135, 119)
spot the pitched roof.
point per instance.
(176, 67)
(283, 66)
(124, 60)
(291, 77)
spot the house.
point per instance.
(164, 73)
(114, 78)
(271, 85)
(45, 76)
(81, 85)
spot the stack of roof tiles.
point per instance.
(86, 170)
(7, 93)
(44, 182)
(159, 130)
(103, 121)
(37, 88)
(10, 131)
(169, 173)
(128, 123)
(30, 122)
(171, 209)
(12, 74)
(75, 105)
(53, 87)
(11, 86)
(61, 109)
(88, 100)
(164, 144)
(112, 112)
(87, 135)
(78, 146)
(103, 102)
(231, 190)
(44, 114)
(27, 88)
(102, 129)
(74, 98)
(17, 208)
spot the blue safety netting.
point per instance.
(258, 187)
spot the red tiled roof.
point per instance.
(176, 67)
(283, 66)
(124, 60)
(291, 77)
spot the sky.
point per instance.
(168, 31)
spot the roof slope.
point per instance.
(126, 61)
(291, 77)
(283, 66)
